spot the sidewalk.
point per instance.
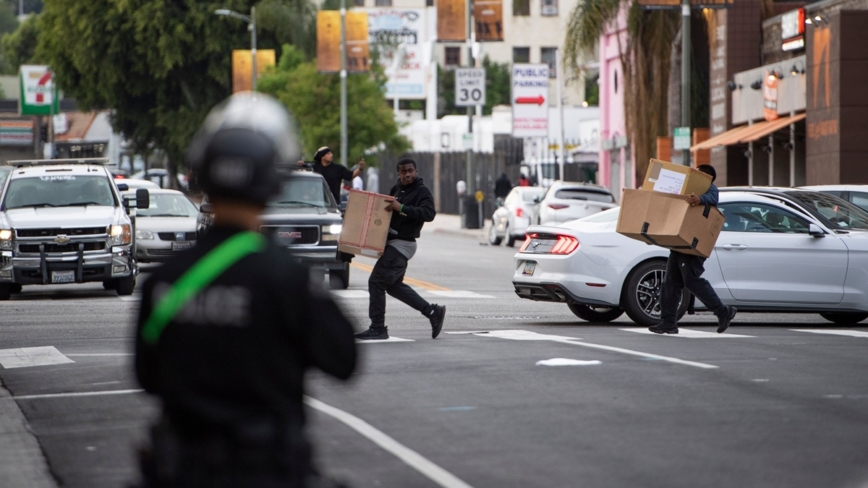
(451, 224)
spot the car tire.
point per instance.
(641, 295)
(593, 313)
(109, 284)
(493, 238)
(126, 285)
(845, 318)
(5, 291)
(510, 240)
(339, 279)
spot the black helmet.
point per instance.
(235, 153)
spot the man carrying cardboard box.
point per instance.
(411, 207)
(685, 271)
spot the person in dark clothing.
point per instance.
(523, 180)
(228, 328)
(502, 187)
(685, 271)
(411, 207)
(333, 173)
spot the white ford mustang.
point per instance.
(781, 250)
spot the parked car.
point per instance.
(305, 218)
(160, 176)
(510, 220)
(855, 194)
(565, 201)
(166, 227)
(136, 184)
(781, 250)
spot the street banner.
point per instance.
(770, 96)
(676, 4)
(38, 93)
(242, 67)
(530, 108)
(488, 16)
(451, 20)
(401, 33)
(469, 87)
(328, 41)
(358, 50)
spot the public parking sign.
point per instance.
(469, 87)
(530, 93)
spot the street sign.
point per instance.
(681, 141)
(480, 196)
(469, 87)
(38, 93)
(530, 108)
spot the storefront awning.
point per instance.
(765, 128)
(729, 137)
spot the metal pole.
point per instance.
(344, 82)
(559, 75)
(253, 44)
(771, 160)
(470, 175)
(685, 74)
(750, 159)
(792, 153)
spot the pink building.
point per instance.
(615, 163)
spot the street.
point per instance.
(779, 400)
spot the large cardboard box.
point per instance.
(675, 178)
(366, 224)
(667, 220)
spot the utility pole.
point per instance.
(471, 179)
(344, 83)
(685, 75)
(253, 45)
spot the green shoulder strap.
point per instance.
(198, 277)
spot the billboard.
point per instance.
(358, 56)
(530, 108)
(242, 67)
(38, 92)
(488, 17)
(328, 41)
(399, 37)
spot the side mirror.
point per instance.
(537, 199)
(143, 198)
(123, 187)
(815, 231)
(206, 208)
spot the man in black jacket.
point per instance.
(333, 173)
(411, 207)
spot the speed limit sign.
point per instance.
(469, 87)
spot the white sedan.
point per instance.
(511, 219)
(565, 201)
(779, 251)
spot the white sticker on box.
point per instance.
(669, 181)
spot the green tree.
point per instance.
(158, 65)
(19, 46)
(497, 88)
(314, 100)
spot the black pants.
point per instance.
(388, 277)
(685, 271)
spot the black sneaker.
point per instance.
(436, 319)
(723, 322)
(662, 328)
(373, 334)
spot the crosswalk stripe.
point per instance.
(25, 357)
(459, 294)
(380, 341)
(692, 334)
(848, 333)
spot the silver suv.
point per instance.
(63, 221)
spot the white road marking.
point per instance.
(691, 334)
(413, 459)
(466, 332)
(101, 354)
(131, 298)
(380, 341)
(26, 357)
(78, 394)
(524, 335)
(459, 294)
(350, 293)
(566, 362)
(848, 333)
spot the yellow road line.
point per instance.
(410, 281)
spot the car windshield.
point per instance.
(833, 211)
(528, 196)
(306, 192)
(584, 194)
(59, 191)
(168, 205)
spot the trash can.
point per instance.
(471, 213)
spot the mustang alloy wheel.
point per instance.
(642, 293)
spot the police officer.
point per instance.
(228, 328)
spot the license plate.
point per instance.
(180, 246)
(63, 276)
(529, 266)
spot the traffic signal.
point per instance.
(43, 132)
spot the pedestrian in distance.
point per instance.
(333, 173)
(412, 205)
(685, 271)
(502, 187)
(523, 180)
(227, 329)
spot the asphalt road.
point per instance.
(767, 404)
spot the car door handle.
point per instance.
(737, 247)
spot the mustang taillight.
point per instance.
(519, 212)
(565, 245)
(530, 237)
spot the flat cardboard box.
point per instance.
(667, 220)
(366, 224)
(675, 178)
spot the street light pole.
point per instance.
(344, 83)
(685, 75)
(253, 45)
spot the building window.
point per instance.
(429, 3)
(383, 3)
(548, 55)
(549, 8)
(453, 56)
(520, 8)
(359, 3)
(521, 55)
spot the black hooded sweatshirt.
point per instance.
(418, 209)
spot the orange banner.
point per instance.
(488, 16)
(358, 58)
(451, 20)
(328, 41)
(242, 66)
